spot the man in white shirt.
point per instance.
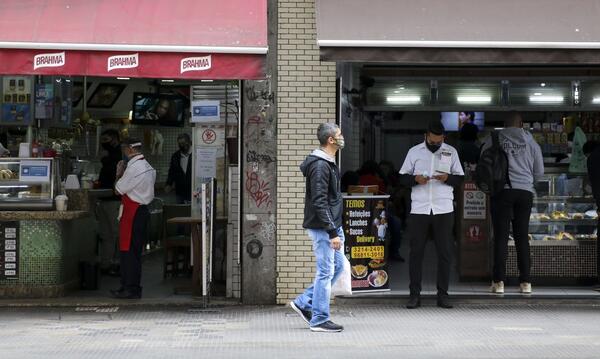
(135, 184)
(431, 169)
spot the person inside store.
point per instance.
(514, 203)
(591, 149)
(108, 207)
(135, 184)
(323, 207)
(432, 209)
(396, 209)
(180, 170)
(468, 146)
(350, 178)
(370, 175)
(111, 143)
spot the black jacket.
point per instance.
(593, 165)
(108, 172)
(323, 201)
(182, 180)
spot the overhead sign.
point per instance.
(123, 62)
(49, 60)
(205, 111)
(196, 63)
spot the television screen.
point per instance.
(159, 109)
(454, 121)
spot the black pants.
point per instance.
(598, 250)
(440, 226)
(131, 261)
(511, 205)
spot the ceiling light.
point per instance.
(596, 100)
(206, 80)
(397, 91)
(474, 99)
(546, 99)
(537, 94)
(404, 100)
(168, 81)
(543, 84)
(123, 78)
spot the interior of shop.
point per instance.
(384, 111)
(67, 119)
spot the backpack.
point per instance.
(491, 175)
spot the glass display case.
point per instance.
(27, 183)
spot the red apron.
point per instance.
(130, 207)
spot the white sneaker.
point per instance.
(497, 287)
(526, 288)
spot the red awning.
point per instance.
(135, 38)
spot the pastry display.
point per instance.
(565, 236)
(559, 215)
(8, 175)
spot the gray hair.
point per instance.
(325, 131)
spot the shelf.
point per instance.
(565, 243)
(567, 199)
(571, 222)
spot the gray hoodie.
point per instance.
(525, 160)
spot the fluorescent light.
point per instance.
(167, 80)
(474, 99)
(543, 84)
(397, 91)
(404, 100)
(596, 100)
(206, 80)
(123, 78)
(546, 99)
(537, 94)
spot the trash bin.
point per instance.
(89, 273)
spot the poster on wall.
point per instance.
(365, 222)
(206, 162)
(474, 202)
(9, 250)
(206, 111)
(16, 100)
(44, 101)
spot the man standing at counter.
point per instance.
(323, 222)
(180, 170)
(135, 184)
(431, 169)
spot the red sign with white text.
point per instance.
(132, 64)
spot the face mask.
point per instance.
(431, 147)
(340, 142)
(184, 148)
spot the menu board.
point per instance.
(367, 236)
(9, 250)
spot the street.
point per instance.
(385, 331)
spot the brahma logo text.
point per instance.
(49, 60)
(123, 62)
(196, 63)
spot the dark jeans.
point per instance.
(440, 227)
(131, 261)
(396, 234)
(511, 205)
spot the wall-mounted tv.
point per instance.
(159, 109)
(454, 121)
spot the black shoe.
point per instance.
(304, 314)
(127, 295)
(414, 302)
(327, 327)
(444, 302)
(115, 292)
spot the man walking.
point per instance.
(323, 222)
(431, 169)
(513, 204)
(136, 187)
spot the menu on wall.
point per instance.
(365, 221)
(16, 100)
(9, 250)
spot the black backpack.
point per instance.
(491, 174)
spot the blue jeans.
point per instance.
(330, 264)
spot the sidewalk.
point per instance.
(383, 331)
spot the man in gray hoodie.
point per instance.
(514, 203)
(323, 222)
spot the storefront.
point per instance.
(149, 70)
(402, 64)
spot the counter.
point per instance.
(40, 251)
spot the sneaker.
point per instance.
(497, 287)
(304, 314)
(526, 288)
(327, 327)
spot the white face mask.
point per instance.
(340, 142)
